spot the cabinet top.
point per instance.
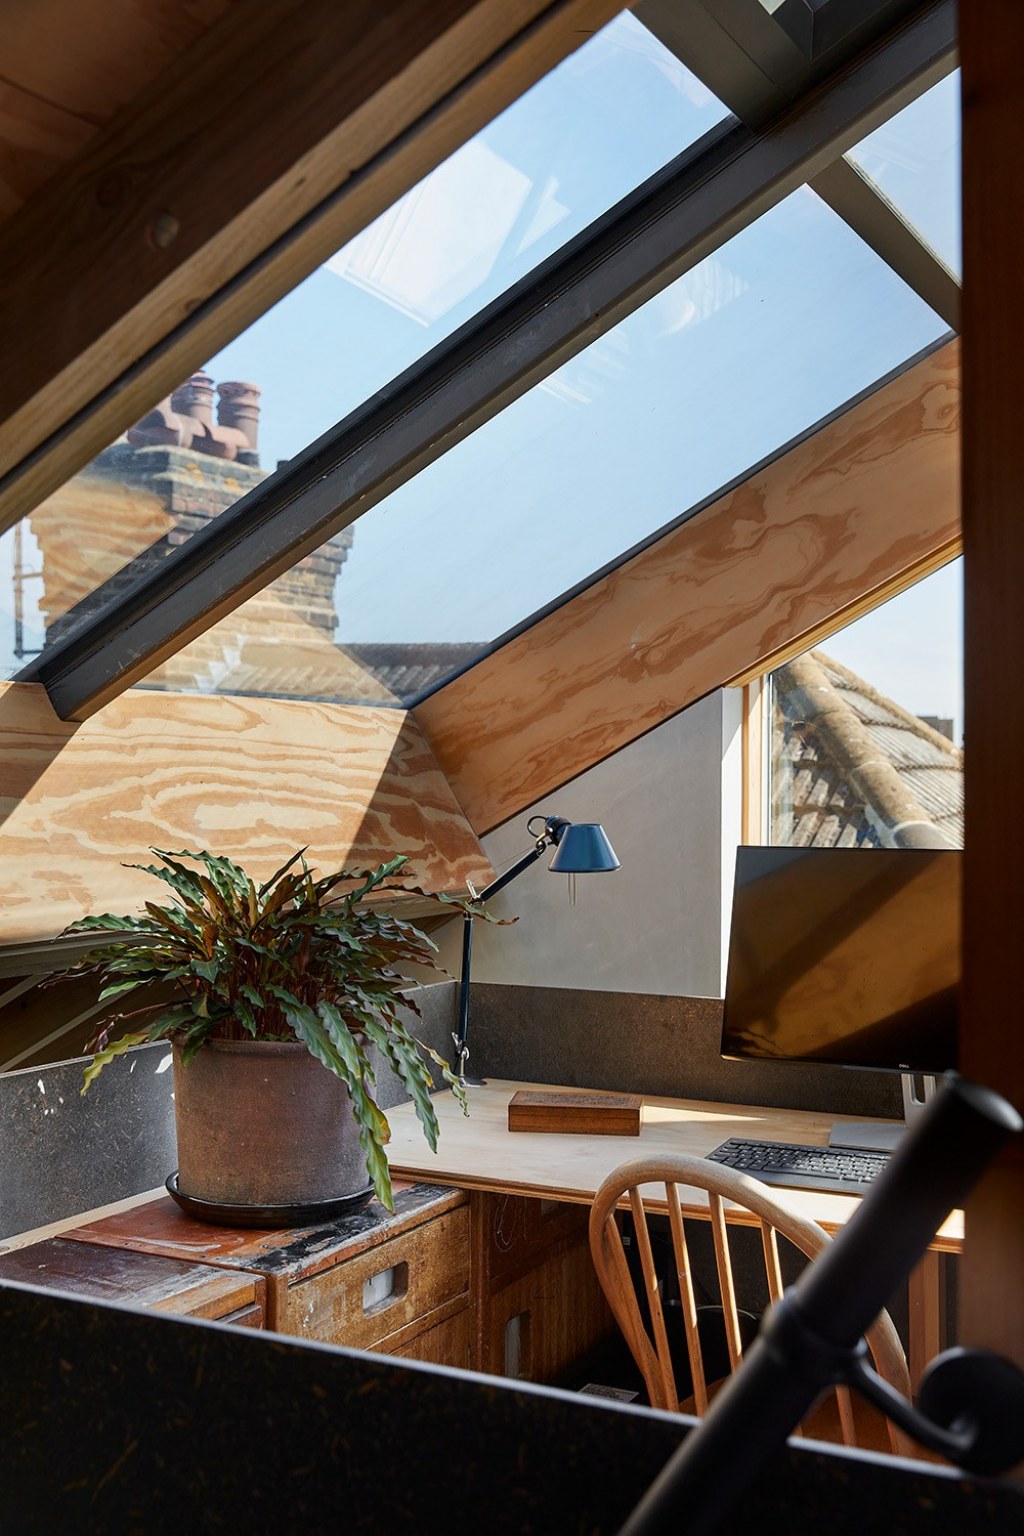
(160, 1227)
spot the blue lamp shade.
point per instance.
(583, 849)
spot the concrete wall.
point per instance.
(655, 925)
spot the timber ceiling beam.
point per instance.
(280, 132)
(849, 515)
(660, 231)
(991, 1041)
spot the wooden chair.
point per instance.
(834, 1418)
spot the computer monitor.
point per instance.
(849, 956)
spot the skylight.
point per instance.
(781, 327)
(606, 119)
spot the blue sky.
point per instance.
(782, 326)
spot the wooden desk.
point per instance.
(481, 1153)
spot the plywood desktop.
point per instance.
(479, 1152)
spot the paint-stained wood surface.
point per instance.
(991, 1043)
(853, 511)
(393, 1291)
(187, 1289)
(306, 1269)
(253, 778)
(272, 110)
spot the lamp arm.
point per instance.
(528, 858)
(554, 826)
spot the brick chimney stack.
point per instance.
(239, 408)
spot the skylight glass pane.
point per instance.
(788, 322)
(605, 120)
(914, 159)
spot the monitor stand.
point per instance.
(870, 1136)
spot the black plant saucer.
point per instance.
(308, 1214)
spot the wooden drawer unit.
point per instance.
(511, 1231)
(534, 1328)
(539, 1302)
(324, 1282)
(452, 1342)
(399, 1286)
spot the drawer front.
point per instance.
(362, 1301)
(447, 1343)
(245, 1317)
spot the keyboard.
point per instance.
(839, 1170)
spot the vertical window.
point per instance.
(866, 731)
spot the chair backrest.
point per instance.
(651, 1347)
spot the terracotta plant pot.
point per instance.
(262, 1123)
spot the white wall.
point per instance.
(655, 925)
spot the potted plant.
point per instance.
(272, 983)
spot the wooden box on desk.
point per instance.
(575, 1111)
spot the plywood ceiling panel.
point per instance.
(252, 778)
(36, 139)
(92, 56)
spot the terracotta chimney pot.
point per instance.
(239, 407)
(194, 398)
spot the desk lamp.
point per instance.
(581, 848)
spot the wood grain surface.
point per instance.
(36, 138)
(252, 778)
(288, 1258)
(575, 1112)
(429, 1270)
(91, 60)
(750, 581)
(481, 1153)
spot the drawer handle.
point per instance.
(383, 1289)
(518, 1347)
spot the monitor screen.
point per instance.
(845, 955)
